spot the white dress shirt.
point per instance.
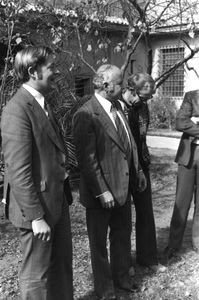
(106, 104)
(37, 95)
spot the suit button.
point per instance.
(127, 174)
(63, 164)
(125, 158)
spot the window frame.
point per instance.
(174, 86)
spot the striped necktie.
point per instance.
(121, 130)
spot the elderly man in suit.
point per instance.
(108, 162)
(187, 158)
(36, 186)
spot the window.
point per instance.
(174, 85)
(83, 86)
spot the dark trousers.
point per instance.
(187, 186)
(118, 221)
(146, 247)
(46, 271)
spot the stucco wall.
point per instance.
(191, 75)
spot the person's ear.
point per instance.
(105, 84)
(109, 88)
(32, 73)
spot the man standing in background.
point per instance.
(187, 157)
(140, 88)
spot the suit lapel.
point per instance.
(106, 122)
(44, 122)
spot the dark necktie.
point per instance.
(121, 130)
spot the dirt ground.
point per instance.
(181, 279)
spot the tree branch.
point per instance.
(167, 73)
(128, 55)
(192, 69)
(162, 13)
(81, 54)
(138, 8)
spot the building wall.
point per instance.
(191, 69)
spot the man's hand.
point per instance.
(195, 120)
(142, 182)
(41, 230)
(107, 200)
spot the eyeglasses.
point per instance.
(132, 90)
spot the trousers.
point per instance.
(187, 187)
(146, 246)
(116, 221)
(46, 270)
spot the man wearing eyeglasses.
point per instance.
(140, 88)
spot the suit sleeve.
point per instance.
(183, 119)
(17, 142)
(85, 143)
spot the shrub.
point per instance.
(162, 113)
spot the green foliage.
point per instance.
(162, 113)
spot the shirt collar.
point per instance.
(37, 95)
(106, 103)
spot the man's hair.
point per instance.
(138, 80)
(30, 57)
(102, 75)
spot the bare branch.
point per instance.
(137, 7)
(129, 53)
(187, 44)
(81, 54)
(162, 13)
(167, 73)
(86, 63)
(146, 6)
(192, 69)
(79, 40)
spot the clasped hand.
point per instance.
(107, 200)
(41, 230)
(142, 182)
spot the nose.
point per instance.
(56, 72)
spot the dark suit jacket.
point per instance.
(101, 157)
(34, 162)
(188, 109)
(137, 126)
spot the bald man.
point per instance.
(109, 166)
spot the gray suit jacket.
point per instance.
(101, 157)
(34, 162)
(188, 109)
